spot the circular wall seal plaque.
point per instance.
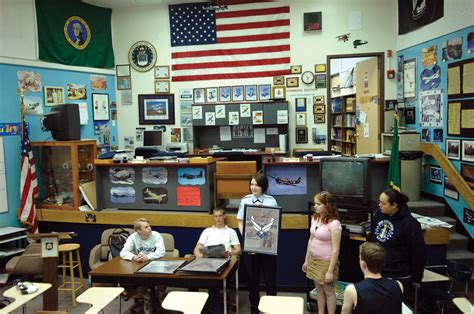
(142, 56)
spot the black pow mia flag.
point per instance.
(413, 14)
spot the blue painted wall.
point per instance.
(10, 113)
(416, 52)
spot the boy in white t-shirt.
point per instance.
(219, 234)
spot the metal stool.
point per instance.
(68, 262)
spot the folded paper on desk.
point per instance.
(205, 265)
(89, 193)
(161, 267)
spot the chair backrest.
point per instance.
(170, 250)
(459, 271)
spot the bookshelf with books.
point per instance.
(342, 124)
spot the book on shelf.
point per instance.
(161, 267)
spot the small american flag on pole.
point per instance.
(28, 183)
(249, 39)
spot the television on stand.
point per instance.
(348, 179)
(64, 122)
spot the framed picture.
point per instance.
(300, 104)
(409, 79)
(320, 81)
(318, 99)
(199, 96)
(211, 95)
(100, 107)
(292, 81)
(162, 86)
(162, 72)
(261, 230)
(156, 108)
(320, 68)
(410, 116)
(467, 172)
(436, 174)
(449, 189)
(251, 92)
(301, 119)
(319, 118)
(279, 92)
(453, 149)
(237, 93)
(264, 92)
(278, 80)
(296, 69)
(122, 70)
(124, 83)
(301, 135)
(319, 108)
(53, 95)
(467, 150)
(224, 94)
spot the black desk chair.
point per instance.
(458, 273)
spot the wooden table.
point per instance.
(99, 297)
(194, 301)
(120, 271)
(22, 299)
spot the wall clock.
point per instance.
(307, 77)
(142, 56)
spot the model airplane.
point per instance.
(343, 37)
(359, 42)
(287, 181)
(153, 196)
(192, 176)
(261, 230)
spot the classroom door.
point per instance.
(368, 99)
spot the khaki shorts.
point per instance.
(316, 270)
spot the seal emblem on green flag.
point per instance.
(77, 32)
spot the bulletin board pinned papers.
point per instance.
(188, 195)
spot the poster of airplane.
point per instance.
(289, 180)
(155, 195)
(154, 175)
(122, 195)
(122, 175)
(191, 176)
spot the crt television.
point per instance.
(64, 123)
(347, 178)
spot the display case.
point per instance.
(61, 166)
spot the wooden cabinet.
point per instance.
(61, 166)
(342, 117)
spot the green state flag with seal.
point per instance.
(394, 180)
(74, 33)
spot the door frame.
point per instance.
(381, 63)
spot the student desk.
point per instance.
(99, 297)
(22, 299)
(121, 271)
(464, 305)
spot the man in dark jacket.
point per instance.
(394, 228)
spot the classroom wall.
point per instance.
(416, 52)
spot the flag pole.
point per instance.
(21, 91)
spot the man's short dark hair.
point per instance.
(218, 209)
(373, 255)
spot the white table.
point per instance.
(185, 301)
(464, 305)
(22, 299)
(281, 304)
(99, 297)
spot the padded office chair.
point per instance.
(458, 273)
(28, 264)
(100, 253)
(231, 179)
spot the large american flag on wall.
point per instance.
(249, 39)
(28, 183)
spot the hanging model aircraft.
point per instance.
(343, 37)
(359, 42)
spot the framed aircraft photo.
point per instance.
(262, 226)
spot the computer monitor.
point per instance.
(64, 122)
(347, 178)
(153, 138)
